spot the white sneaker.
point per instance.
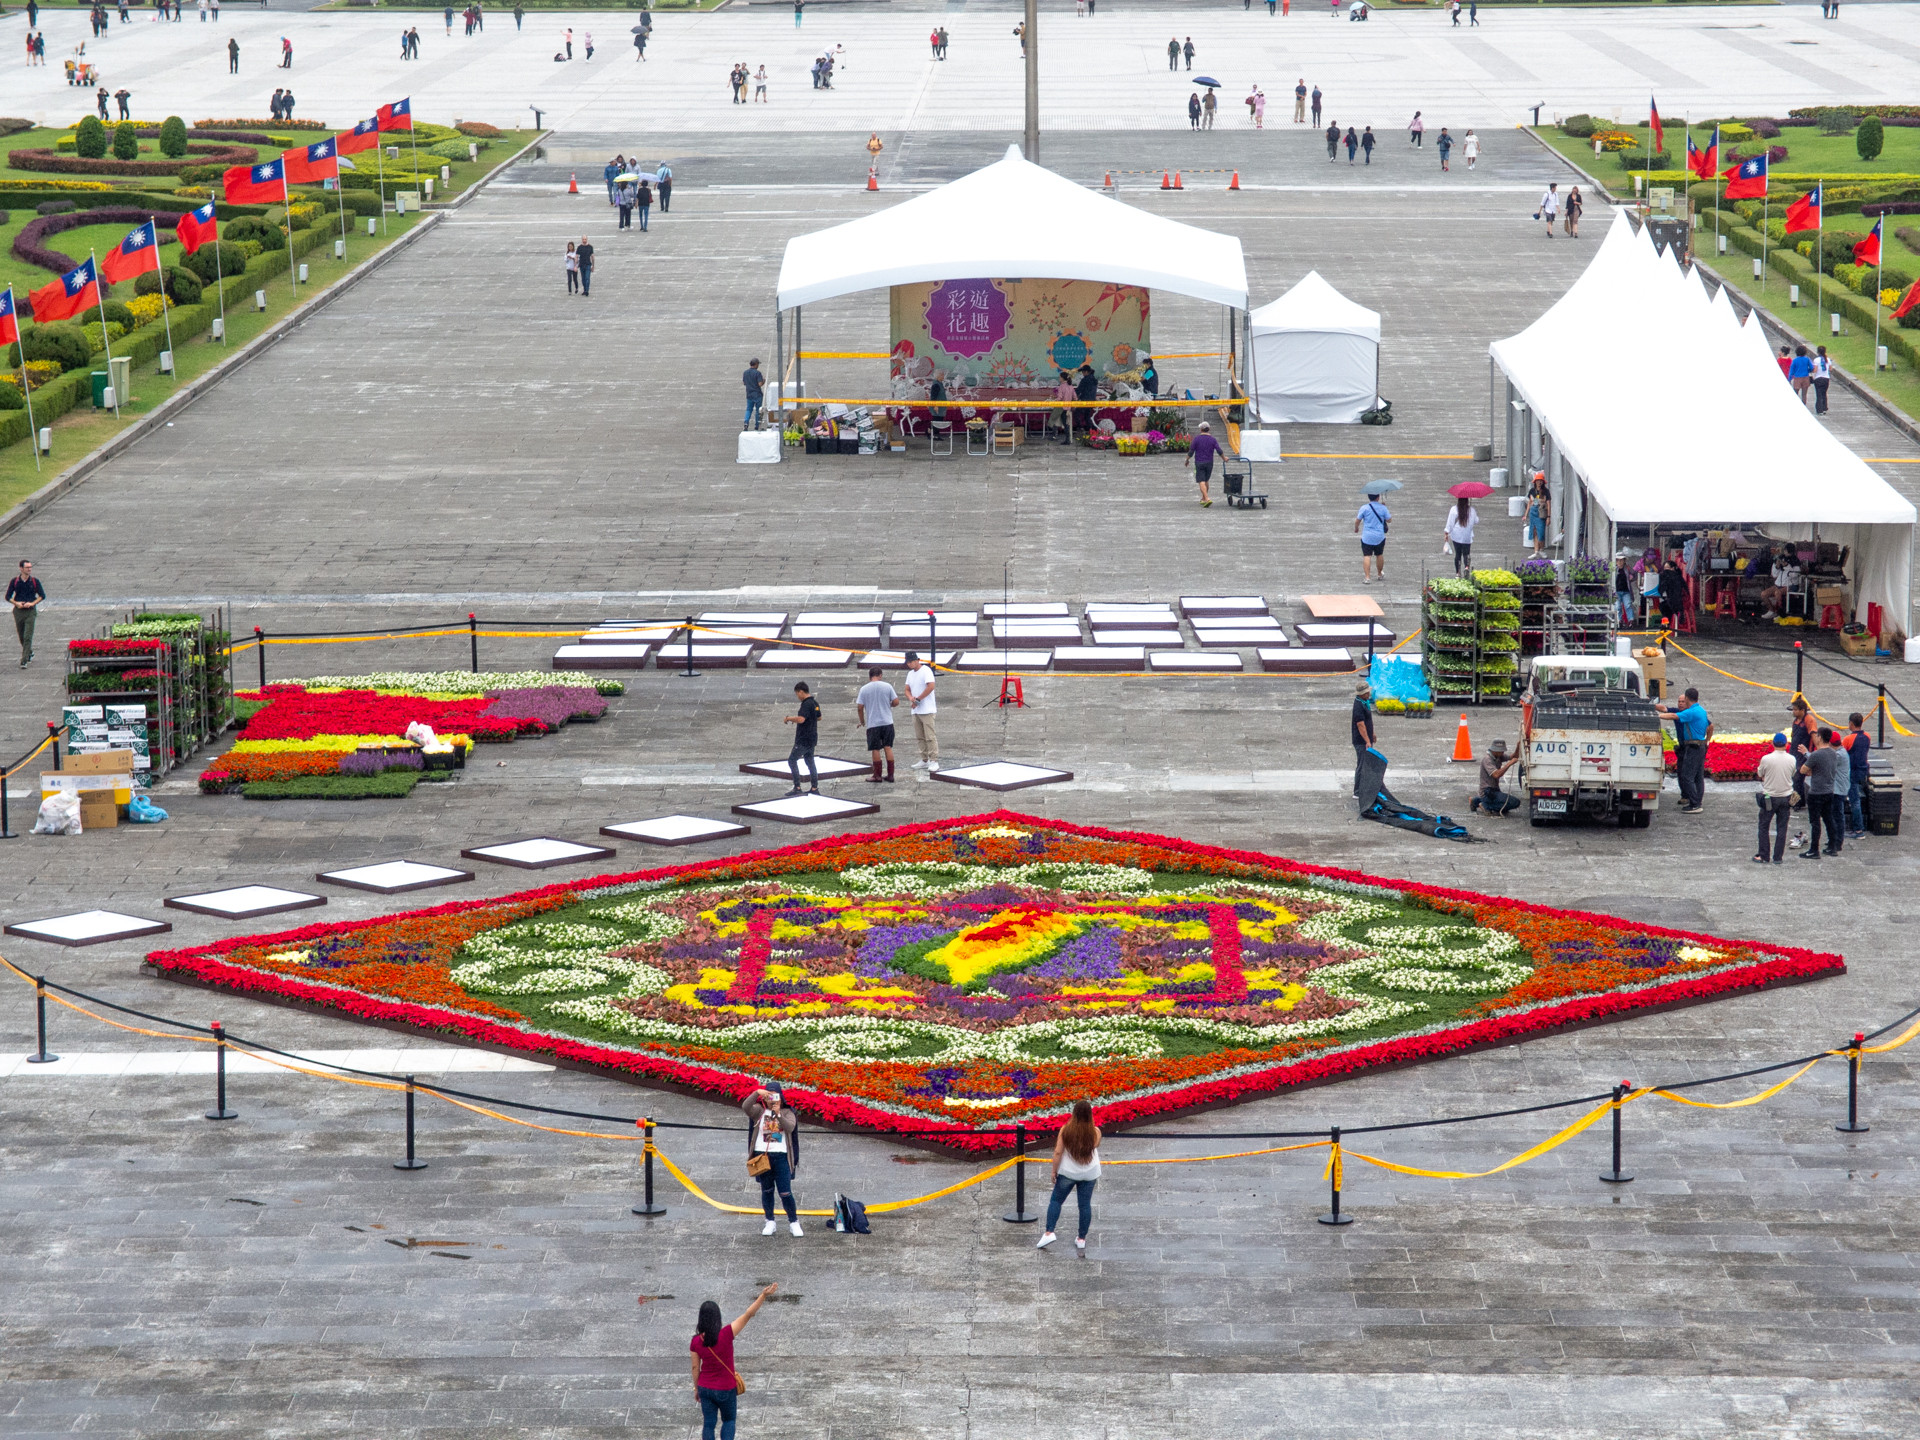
(793, 1229)
(932, 765)
(768, 1228)
(919, 764)
(1045, 1240)
(1080, 1245)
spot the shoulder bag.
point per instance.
(739, 1385)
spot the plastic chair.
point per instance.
(978, 442)
(939, 430)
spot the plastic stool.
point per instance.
(939, 430)
(1832, 617)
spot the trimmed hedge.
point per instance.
(52, 162)
(1860, 309)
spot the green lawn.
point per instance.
(1808, 152)
(102, 238)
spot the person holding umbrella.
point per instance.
(1371, 526)
(1461, 520)
(1209, 103)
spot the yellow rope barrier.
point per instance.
(20, 764)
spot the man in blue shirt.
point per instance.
(1371, 526)
(1859, 750)
(1691, 731)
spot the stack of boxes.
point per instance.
(1882, 797)
(103, 780)
(98, 729)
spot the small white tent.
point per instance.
(1316, 356)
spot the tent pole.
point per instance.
(779, 362)
(1493, 381)
(799, 356)
(1031, 35)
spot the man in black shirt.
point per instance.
(584, 254)
(25, 593)
(756, 383)
(1362, 728)
(1086, 385)
(805, 738)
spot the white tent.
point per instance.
(1013, 219)
(1316, 356)
(1703, 431)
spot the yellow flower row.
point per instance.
(344, 744)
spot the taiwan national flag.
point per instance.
(1748, 179)
(135, 255)
(1704, 163)
(397, 116)
(1867, 251)
(1908, 302)
(364, 136)
(311, 164)
(256, 184)
(1804, 213)
(196, 228)
(9, 321)
(72, 294)
(1659, 134)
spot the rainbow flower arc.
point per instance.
(991, 969)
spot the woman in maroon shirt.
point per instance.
(714, 1379)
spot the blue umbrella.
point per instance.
(1380, 487)
(1209, 82)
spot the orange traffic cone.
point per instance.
(1176, 181)
(1166, 181)
(1108, 185)
(1463, 743)
(1234, 184)
(873, 179)
(573, 184)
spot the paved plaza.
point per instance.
(456, 434)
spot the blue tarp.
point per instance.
(1398, 677)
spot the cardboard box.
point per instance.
(72, 715)
(134, 716)
(98, 814)
(102, 762)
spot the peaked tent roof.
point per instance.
(1315, 305)
(1013, 219)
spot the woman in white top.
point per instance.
(1822, 377)
(1460, 522)
(1470, 147)
(1076, 1167)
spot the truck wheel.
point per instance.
(1642, 819)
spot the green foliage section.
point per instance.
(126, 141)
(90, 139)
(1870, 138)
(389, 785)
(173, 137)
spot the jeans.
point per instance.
(1497, 801)
(780, 1178)
(1083, 1197)
(719, 1406)
(1825, 810)
(666, 191)
(1856, 808)
(573, 282)
(1779, 811)
(23, 621)
(1693, 773)
(794, 757)
(644, 211)
(1462, 557)
(626, 217)
(754, 407)
(586, 280)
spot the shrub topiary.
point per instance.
(54, 207)
(182, 284)
(11, 398)
(90, 139)
(214, 260)
(173, 137)
(449, 149)
(117, 313)
(64, 345)
(201, 174)
(126, 141)
(252, 227)
(1580, 127)
(1870, 139)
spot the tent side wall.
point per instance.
(1315, 377)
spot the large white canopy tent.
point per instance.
(1316, 356)
(1702, 430)
(1011, 219)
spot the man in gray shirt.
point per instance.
(874, 709)
(1827, 785)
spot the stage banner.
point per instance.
(1015, 334)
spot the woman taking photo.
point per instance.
(715, 1381)
(1459, 527)
(1076, 1167)
(1539, 511)
(773, 1152)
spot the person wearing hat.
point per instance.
(1776, 772)
(773, 1135)
(1492, 800)
(1363, 738)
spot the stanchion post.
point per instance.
(411, 1162)
(1019, 1215)
(53, 734)
(1799, 669)
(220, 1110)
(260, 653)
(1881, 703)
(646, 1206)
(1333, 1216)
(1617, 1176)
(6, 828)
(41, 1057)
(1853, 1125)
(473, 637)
(689, 673)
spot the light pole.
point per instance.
(1032, 34)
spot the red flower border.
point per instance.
(203, 966)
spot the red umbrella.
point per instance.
(1471, 490)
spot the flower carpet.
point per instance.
(990, 969)
(316, 728)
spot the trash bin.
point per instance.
(99, 389)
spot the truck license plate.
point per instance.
(1550, 807)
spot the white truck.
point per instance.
(1590, 741)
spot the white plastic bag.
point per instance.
(59, 815)
(421, 734)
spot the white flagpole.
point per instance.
(413, 141)
(219, 278)
(100, 294)
(380, 158)
(26, 386)
(340, 193)
(1879, 254)
(286, 200)
(165, 308)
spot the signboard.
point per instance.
(1015, 334)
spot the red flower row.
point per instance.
(114, 647)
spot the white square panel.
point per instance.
(803, 659)
(676, 830)
(87, 927)
(717, 657)
(1063, 631)
(897, 659)
(630, 635)
(1029, 608)
(1099, 657)
(1003, 660)
(940, 617)
(765, 634)
(244, 902)
(602, 657)
(392, 877)
(1192, 660)
(806, 809)
(838, 617)
(1138, 637)
(1306, 661)
(1203, 623)
(1242, 637)
(1001, 775)
(830, 768)
(775, 618)
(1126, 607)
(1349, 633)
(1194, 606)
(539, 853)
(1133, 620)
(837, 634)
